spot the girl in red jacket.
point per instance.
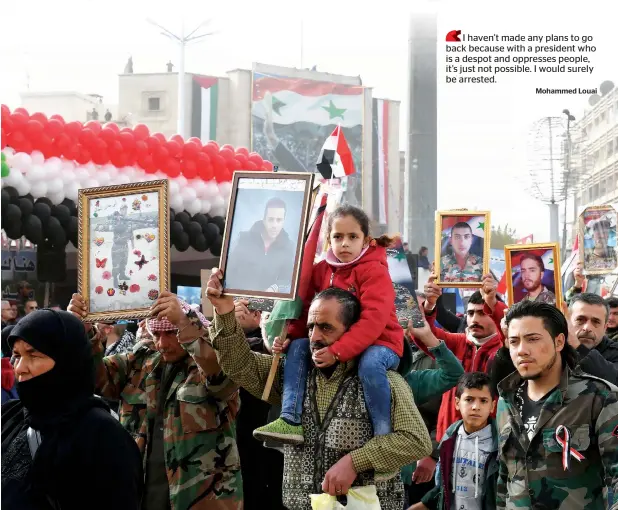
(355, 263)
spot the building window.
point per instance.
(610, 148)
(154, 104)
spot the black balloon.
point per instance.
(44, 200)
(183, 218)
(182, 242)
(6, 200)
(219, 221)
(13, 230)
(215, 248)
(199, 243)
(13, 195)
(43, 211)
(194, 229)
(73, 230)
(202, 219)
(67, 202)
(62, 213)
(176, 229)
(13, 214)
(172, 215)
(32, 228)
(26, 206)
(211, 232)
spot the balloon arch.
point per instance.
(45, 161)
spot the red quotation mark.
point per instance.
(453, 36)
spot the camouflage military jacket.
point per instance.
(201, 456)
(546, 296)
(451, 272)
(531, 474)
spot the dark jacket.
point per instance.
(439, 498)
(252, 267)
(602, 361)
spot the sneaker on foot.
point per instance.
(280, 431)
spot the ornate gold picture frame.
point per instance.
(462, 237)
(541, 260)
(264, 234)
(123, 249)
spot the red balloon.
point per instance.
(206, 173)
(211, 150)
(190, 150)
(153, 143)
(227, 146)
(83, 156)
(116, 147)
(226, 154)
(160, 137)
(54, 128)
(59, 118)
(173, 168)
(242, 159)
(41, 117)
(243, 150)
(173, 147)
(202, 160)
(160, 157)
(7, 124)
(267, 166)
(34, 129)
(71, 152)
(100, 157)
(16, 138)
(87, 137)
(223, 175)
(141, 148)
(251, 166)
(118, 159)
(178, 139)
(127, 140)
(108, 135)
(256, 159)
(141, 132)
(73, 129)
(6, 111)
(2, 138)
(147, 163)
(19, 119)
(189, 169)
(215, 145)
(94, 125)
(219, 161)
(111, 125)
(195, 140)
(23, 111)
(44, 144)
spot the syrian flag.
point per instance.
(548, 259)
(205, 107)
(335, 160)
(381, 113)
(477, 224)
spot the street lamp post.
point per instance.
(182, 41)
(567, 175)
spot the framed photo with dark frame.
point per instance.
(264, 234)
(533, 273)
(462, 247)
(597, 239)
(123, 249)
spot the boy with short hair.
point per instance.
(468, 468)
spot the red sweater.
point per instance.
(369, 280)
(472, 358)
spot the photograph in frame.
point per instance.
(264, 234)
(533, 273)
(123, 250)
(597, 239)
(462, 247)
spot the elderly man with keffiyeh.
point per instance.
(179, 407)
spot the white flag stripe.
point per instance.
(299, 108)
(205, 133)
(381, 183)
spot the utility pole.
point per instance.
(182, 40)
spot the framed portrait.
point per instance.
(123, 259)
(264, 234)
(462, 247)
(533, 273)
(597, 239)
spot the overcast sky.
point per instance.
(83, 45)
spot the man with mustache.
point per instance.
(532, 270)
(340, 450)
(558, 426)
(589, 317)
(476, 347)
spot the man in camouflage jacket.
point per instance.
(546, 409)
(186, 433)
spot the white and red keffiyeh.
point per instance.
(156, 325)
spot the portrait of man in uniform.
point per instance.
(463, 247)
(598, 238)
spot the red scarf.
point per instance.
(8, 375)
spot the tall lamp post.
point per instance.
(570, 118)
(182, 41)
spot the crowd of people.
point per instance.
(501, 408)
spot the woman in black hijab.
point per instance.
(85, 458)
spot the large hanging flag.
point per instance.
(380, 132)
(205, 107)
(335, 160)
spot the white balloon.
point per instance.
(182, 181)
(225, 189)
(218, 202)
(55, 185)
(188, 194)
(129, 172)
(211, 189)
(53, 167)
(67, 176)
(56, 198)
(194, 207)
(71, 191)
(122, 179)
(112, 171)
(68, 165)
(206, 206)
(37, 158)
(107, 167)
(173, 188)
(81, 175)
(218, 211)
(199, 186)
(23, 187)
(39, 189)
(103, 178)
(8, 152)
(91, 183)
(176, 203)
(13, 179)
(22, 161)
(35, 173)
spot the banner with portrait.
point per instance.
(597, 239)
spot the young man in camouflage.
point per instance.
(179, 407)
(558, 426)
(460, 265)
(340, 449)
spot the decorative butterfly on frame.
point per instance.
(140, 263)
(123, 288)
(101, 263)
